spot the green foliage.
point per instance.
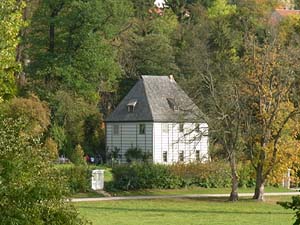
(10, 25)
(246, 175)
(146, 47)
(208, 175)
(221, 8)
(32, 109)
(294, 205)
(70, 45)
(142, 176)
(59, 136)
(71, 114)
(94, 141)
(77, 156)
(77, 178)
(51, 146)
(31, 190)
(137, 155)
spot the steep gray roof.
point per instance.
(152, 94)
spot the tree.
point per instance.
(70, 46)
(33, 109)
(71, 126)
(10, 25)
(212, 67)
(31, 191)
(146, 47)
(77, 156)
(271, 100)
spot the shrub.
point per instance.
(78, 178)
(31, 190)
(246, 175)
(144, 176)
(137, 155)
(294, 205)
(77, 156)
(208, 175)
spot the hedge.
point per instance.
(148, 176)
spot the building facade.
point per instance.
(158, 118)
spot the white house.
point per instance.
(157, 117)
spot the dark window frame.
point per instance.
(116, 129)
(181, 127)
(181, 156)
(142, 129)
(197, 156)
(165, 156)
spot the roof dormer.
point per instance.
(131, 105)
(172, 104)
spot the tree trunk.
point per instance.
(234, 179)
(260, 184)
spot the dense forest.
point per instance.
(65, 64)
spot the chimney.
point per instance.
(171, 77)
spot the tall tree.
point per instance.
(146, 47)
(210, 62)
(270, 99)
(70, 45)
(10, 24)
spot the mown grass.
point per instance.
(209, 211)
(193, 190)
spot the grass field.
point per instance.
(194, 190)
(212, 211)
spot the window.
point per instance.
(130, 108)
(165, 156)
(165, 128)
(181, 156)
(181, 127)
(116, 129)
(131, 105)
(172, 104)
(142, 129)
(197, 127)
(197, 155)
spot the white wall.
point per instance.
(173, 141)
(156, 141)
(129, 137)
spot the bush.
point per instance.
(31, 190)
(77, 156)
(246, 174)
(207, 175)
(144, 176)
(137, 155)
(78, 178)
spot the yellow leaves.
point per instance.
(221, 8)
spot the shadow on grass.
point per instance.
(184, 211)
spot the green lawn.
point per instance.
(193, 190)
(212, 211)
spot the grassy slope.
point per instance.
(213, 211)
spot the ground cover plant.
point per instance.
(210, 211)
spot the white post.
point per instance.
(287, 179)
(97, 179)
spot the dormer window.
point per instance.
(172, 104)
(131, 105)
